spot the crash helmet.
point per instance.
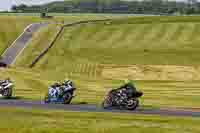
(56, 84)
(128, 81)
(67, 82)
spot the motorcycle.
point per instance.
(60, 94)
(6, 88)
(120, 98)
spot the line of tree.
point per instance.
(115, 6)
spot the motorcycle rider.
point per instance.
(67, 85)
(54, 90)
(124, 96)
(57, 89)
(128, 88)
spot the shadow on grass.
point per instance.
(80, 103)
(148, 107)
(12, 98)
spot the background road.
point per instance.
(20, 43)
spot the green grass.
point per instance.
(43, 121)
(166, 43)
(100, 55)
(34, 85)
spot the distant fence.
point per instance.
(34, 62)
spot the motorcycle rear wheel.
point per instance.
(107, 103)
(132, 104)
(7, 93)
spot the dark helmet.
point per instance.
(56, 84)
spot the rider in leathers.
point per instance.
(58, 89)
(5, 82)
(128, 88)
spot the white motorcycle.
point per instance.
(60, 94)
(6, 88)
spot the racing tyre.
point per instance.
(132, 104)
(46, 99)
(67, 98)
(7, 93)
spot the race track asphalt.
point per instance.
(95, 108)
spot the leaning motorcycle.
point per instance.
(6, 89)
(62, 95)
(120, 99)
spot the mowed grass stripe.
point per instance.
(169, 34)
(194, 36)
(143, 32)
(160, 35)
(177, 34)
(131, 35)
(76, 35)
(186, 33)
(87, 32)
(95, 30)
(111, 32)
(84, 69)
(66, 46)
(97, 40)
(155, 32)
(156, 28)
(111, 42)
(123, 39)
(146, 35)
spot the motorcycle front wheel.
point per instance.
(132, 104)
(67, 98)
(46, 99)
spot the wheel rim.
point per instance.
(67, 98)
(132, 104)
(7, 93)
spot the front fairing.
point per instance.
(138, 94)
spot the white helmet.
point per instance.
(67, 82)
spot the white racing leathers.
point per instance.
(56, 91)
(5, 85)
(67, 87)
